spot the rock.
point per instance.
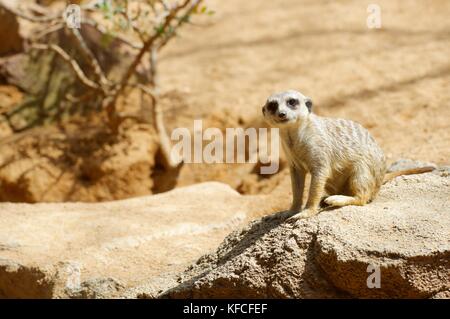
(13, 71)
(10, 38)
(442, 295)
(404, 236)
(105, 250)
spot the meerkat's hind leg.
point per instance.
(360, 185)
(342, 200)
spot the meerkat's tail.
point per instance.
(419, 170)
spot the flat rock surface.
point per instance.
(101, 250)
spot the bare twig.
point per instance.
(153, 68)
(39, 19)
(104, 31)
(70, 61)
(111, 102)
(91, 59)
(180, 22)
(147, 45)
(37, 8)
(46, 31)
(131, 21)
(170, 160)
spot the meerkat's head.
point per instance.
(286, 108)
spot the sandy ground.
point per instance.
(395, 80)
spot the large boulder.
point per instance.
(110, 249)
(397, 246)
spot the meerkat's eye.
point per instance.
(272, 106)
(309, 104)
(292, 103)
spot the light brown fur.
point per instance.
(347, 166)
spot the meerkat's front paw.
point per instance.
(302, 215)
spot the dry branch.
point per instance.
(147, 45)
(173, 16)
(90, 57)
(103, 31)
(70, 61)
(38, 19)
(110, 103)
(170, 161)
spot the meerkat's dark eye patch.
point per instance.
(272, 106)
(309, 105)
(292, 103)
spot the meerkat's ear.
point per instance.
(309, 104)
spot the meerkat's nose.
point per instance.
(282, 114)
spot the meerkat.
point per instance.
(346, 165)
